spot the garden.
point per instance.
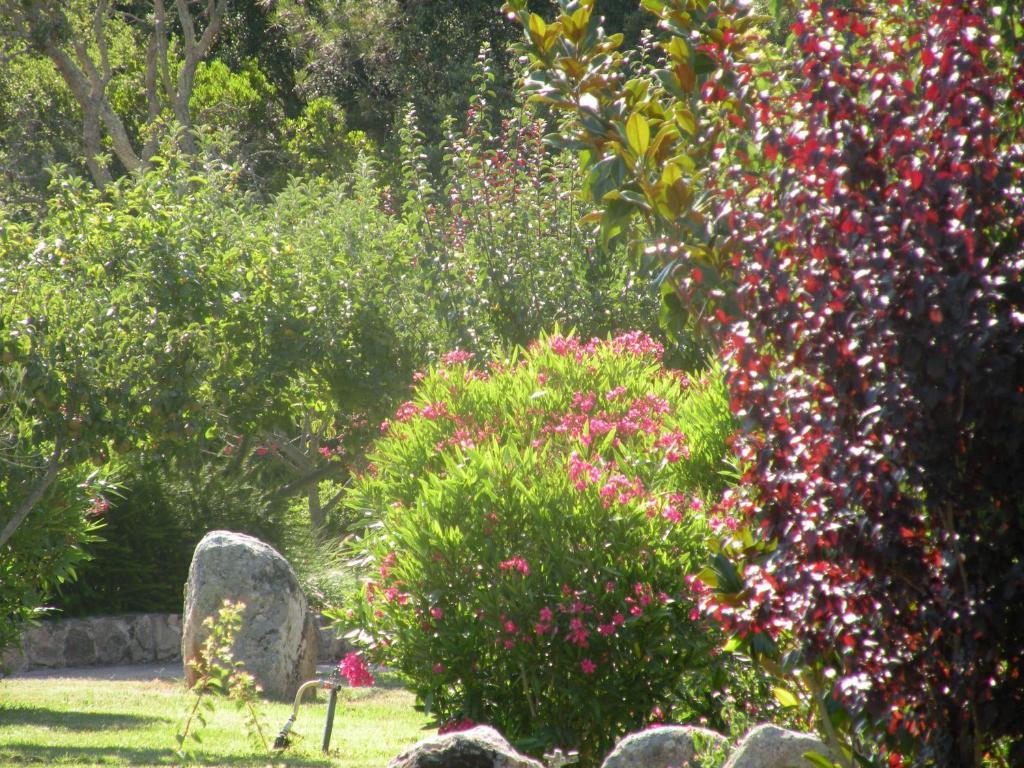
(598, 366)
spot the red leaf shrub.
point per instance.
(880, 372)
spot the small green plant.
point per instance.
(709, 753)
(220, 673)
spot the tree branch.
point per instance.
(53, 467)
(98, 26)
(160, 38)
(321, 473)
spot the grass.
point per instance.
(73, 722)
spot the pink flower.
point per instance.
(578, 633)
(545, 614)
(354, 669)
(434, 411)
(588, 667)
(387, 564)
(671, 514)
(436, 612)
(637, 343)
(612, 394)
(456, 356)
(452, 726)
(438, 669)
(516, 564)
(406, 411)
(510, 627)
(618, 619)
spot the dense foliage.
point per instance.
(648, 126)
(288, 327)
(881, 371)
(862, 192)
(530, 527)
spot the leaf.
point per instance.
(638, 133)
(785, 698)
(679, 50)
(537, 28)
(818, 759)
(686, 120)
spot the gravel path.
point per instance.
(164, 670)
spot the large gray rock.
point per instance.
(479, 747)
(768, 746)
(668, 746)
(278, 640)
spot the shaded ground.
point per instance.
(163, 670)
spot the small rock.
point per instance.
(277, 643)
(668, 746)
(768, 746)
(479, 747)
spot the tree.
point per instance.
(648, 126)
(78, 39)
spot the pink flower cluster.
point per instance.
(454, 726)
(516, 564)
(457, 356)
(431, 411)
(354, 669)
(387, 564)
(644, 415)
(635, 343)
(615, 486)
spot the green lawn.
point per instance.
(72, 722)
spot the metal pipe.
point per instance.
(282, 738)
(332, 700)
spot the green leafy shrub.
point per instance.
(500, 233)
(140, 561)
(46, 550)
(319, 143)
(530, 528)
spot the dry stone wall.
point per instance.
(107, 640)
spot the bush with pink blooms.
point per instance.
(531, 524)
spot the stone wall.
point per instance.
(108, 640)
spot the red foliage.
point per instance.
(881, 373)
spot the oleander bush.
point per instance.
(530, 527)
